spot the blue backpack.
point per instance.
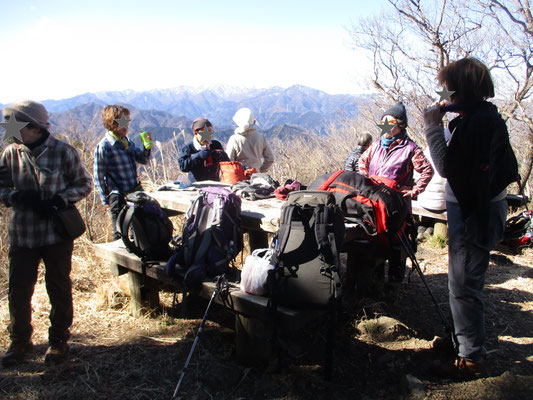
(211, 237)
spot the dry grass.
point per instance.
(115, 355)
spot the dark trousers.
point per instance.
(396, 270)
(23, 267)
(116, 201)
(397, 256)
(469, 254)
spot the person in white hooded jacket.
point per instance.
(246, 145)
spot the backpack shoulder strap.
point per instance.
(326, 241)
(190, 230)
(204, 245)
(123, 224)
(284, 231)
(321, 233)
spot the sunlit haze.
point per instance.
(59, 49)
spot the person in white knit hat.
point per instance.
(246, 145)
(39, 175)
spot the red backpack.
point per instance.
(375, 204)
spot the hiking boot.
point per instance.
(56, 353)
(470, 370)
(462, 369)
(444, 345)
(15, 353)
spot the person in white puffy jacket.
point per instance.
(246, 145)
(433, 198)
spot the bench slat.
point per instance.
(241, 302)
(115, 252)
(424, 212)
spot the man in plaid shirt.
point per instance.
(115, 162)
(38, 176)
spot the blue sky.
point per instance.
(58, 49)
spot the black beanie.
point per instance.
(397, 111)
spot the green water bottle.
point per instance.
(147, 142)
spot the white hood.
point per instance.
(245, 120)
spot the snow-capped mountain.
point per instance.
(299, 105)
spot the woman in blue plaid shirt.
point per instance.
(115, 162)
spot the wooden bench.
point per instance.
(441, 217)
(253, 317)
(424, 212)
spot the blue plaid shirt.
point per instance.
(115, 167)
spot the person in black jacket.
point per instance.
(200, 157)
(352, 162)
(479, 164)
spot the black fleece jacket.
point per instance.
(479, 162)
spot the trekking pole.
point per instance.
(200, 329)
(405, 243)
(524, 198)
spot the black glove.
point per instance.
(49, 206)
(25, 198)
(203, 154)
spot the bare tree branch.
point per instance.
(427, 36)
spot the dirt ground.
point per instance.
(116, 356)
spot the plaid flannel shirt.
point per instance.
(115, 166)
(52, 168)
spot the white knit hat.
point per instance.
(244, 118)
(28, 111)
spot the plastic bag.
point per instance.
(255, 272)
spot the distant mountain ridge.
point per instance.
(168, 113)
(308, 108)
(163, 125)
(87, 118)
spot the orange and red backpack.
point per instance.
(373, 203)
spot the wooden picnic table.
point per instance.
(259, 217)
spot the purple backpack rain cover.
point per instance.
(211, 237)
